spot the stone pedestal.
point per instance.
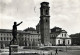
(14, 48)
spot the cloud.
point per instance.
(64, 13)
(16, 10)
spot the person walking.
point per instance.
(56, 51)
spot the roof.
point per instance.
(9, 31)
(55, 34)
(38, 24)
(77, 35)
(45, 3)
(57, 30)
(63, 31)
(5, 30)
(30, 29)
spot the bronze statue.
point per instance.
(14, 31)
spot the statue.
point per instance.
(14, 32)
(14, 40)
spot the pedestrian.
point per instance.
(51, 53)
(56, 52)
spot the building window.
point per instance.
(4, 38)
(1, 34)
(62, 35)
(46, 12)
(38, 39)
(31, 40)
(7, 38)
(68, 41)
(25, 38)
(52, 35)
(58, 41)
(1, 38)
(10, 34)
(65, 35)
(22, 38)
(10, 38)
(7, 34)
(46, 20)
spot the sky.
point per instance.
(63, 13)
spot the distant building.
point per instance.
(34, 37)
(59, 37)
(5, 37)
(75, 39)
(30, 37)
(27, 37)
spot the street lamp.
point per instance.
(66, 48)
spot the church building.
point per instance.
(59, 37)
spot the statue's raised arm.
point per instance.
(19, 23)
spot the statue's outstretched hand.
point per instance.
(19, 23)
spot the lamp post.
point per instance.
(31, 44)
(66, 48)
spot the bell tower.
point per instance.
(45, 23)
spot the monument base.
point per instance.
(14, 48)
